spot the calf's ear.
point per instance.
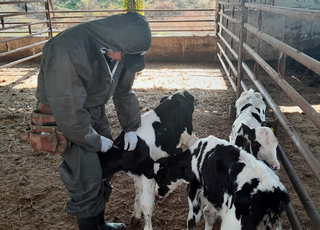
(267, 124)
(176, 151)
(163, 99)
(250, 133)
(188, 96)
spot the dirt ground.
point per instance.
(32, 195)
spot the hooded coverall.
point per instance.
(76, 81)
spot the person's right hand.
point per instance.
(106, 144)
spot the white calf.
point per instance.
(251, 132)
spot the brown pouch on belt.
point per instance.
(44, 136)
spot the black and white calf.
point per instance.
(225, 181)
(162, 130)
(250, 130)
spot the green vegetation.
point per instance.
(137, 4)
(125, 4)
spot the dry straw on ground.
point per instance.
(32, 195)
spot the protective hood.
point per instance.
(126, 33)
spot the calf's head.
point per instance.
(259, 198)
(175, 113)
(262, 143)
(171, 171)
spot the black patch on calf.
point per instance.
(215, 171)
(196, 151)
(167, 140)
(250, 145)
(163, 188)
(239, 130)
(234, 171)
(172, 168)
(175, 115)
(256, 116)
(250, 132)
(192, 223)
(242, 198)
(243, 142)
(201, 154)
(196, 210)
(137, 162)
(255, 147)
(245, 106)
(194, 186)
(271, 203)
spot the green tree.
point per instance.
(137, 4)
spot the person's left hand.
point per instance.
(130, 140)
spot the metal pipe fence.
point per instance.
(236, 77)
(161, 21)
(22, 25)
(49, 22)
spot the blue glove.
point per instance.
(106, 144)
(130, 140)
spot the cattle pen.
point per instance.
(215, 54)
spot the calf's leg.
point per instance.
(210, 215)
(229, 220)
(136, 215)
(195, 210)
(147, 200)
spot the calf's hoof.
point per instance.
(135, 220)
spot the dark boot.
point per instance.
(90, 223)
(108, 226)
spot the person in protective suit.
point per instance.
(81, 69)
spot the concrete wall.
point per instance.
(185, 49)
(170, 49)
(15, 44)
(310, 4)
(300, 34)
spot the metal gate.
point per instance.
(236, 47)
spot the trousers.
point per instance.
(81, 174)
